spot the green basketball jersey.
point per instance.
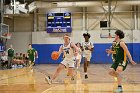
(120, 53)
(11, 52)
(31, 54)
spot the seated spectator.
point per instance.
(4, 60)
(16, 57)
(19, 59)
(20, 56)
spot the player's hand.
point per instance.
(133, 63)
(90, 48)
(108, 51)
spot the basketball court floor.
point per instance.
(27, 80)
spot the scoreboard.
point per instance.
(59, 23)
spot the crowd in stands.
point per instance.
(19, 60)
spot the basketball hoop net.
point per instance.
(6, 35)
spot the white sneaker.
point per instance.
(118, 90)
(48, 79)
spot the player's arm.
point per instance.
(63, 56)
(91, 48)
(75, 48)
(60, 50)
(113, 51)
(123, 45)
(82, 47)
(36, 54)
(110, 51)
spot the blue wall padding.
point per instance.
(98, 56)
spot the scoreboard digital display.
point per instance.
(59, 23)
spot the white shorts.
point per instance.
(87, 56)
(68, 63)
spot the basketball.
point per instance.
(55, 55)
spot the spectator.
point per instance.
(4, 60)
(10, 52)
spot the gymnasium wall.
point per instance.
(20, 23)
(22, 29)
(20, 41)
(93, 16)
(46, 43)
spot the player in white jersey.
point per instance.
(78, 56)
(69, 49)
(87, 48)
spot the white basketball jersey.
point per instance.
(79, 51)
(85, 46)
(68, 51)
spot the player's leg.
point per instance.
(80, 57)
(71, 71)
(88, 59)
(119, 71)
(113, 68)
(88, 63)
(57, 72)
(85, 67)
(78, 61)
(119, 78)
(31, 62)
(112, 72)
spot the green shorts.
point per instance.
(32, 59)
(116, 64)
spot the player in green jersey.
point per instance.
(121, 52)
(32, 54)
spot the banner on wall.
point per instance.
(58, 23)
(1, 47)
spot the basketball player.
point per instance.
(120, 63)
(11, 53)
(32, 54)
(68, 48)
(78, 56)
(87, 48)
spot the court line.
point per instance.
(14, 76)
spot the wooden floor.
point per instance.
(26, 80)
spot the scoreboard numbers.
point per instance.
(59, 23)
